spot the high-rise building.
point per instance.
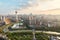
(32, 20)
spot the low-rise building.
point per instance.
(7, 21)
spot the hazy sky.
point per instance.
(35, 6)
(27, 6)
(7, 6)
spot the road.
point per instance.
(47, 32)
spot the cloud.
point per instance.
(36, 6)
(30, 6)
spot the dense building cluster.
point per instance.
(37, 20)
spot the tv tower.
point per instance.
(16, 16)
